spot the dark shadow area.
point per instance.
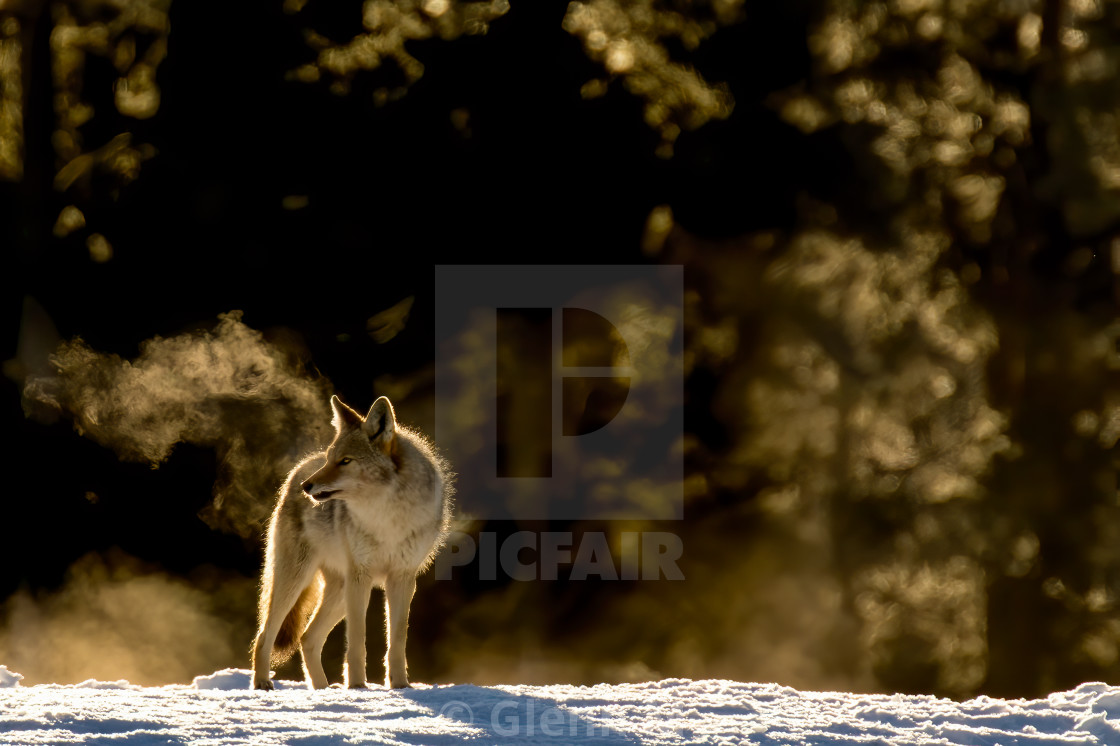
(499, 715)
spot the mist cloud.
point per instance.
(117, 619)
(228, 389)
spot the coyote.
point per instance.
(372, 509)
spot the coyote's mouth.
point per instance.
(325, 495)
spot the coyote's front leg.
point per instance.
(399, 590)
(358, 587)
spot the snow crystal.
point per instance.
(9, 678)
(1109, 704)
(95, 684)
(238, 678)
(1107, 731)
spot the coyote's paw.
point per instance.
(262, 682)
(400, 684)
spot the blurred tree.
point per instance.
(59, 64)
(980, 137)
(387, 27)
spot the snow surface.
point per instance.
(9, 678)
(220, 709)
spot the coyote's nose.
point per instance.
(307, 487)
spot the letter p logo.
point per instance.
(591, 347)
(558, 390)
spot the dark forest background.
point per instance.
(900, 229)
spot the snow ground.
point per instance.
(220, 709)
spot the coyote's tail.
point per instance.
(293, 626)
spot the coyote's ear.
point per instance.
(344, 416)
(381, 422)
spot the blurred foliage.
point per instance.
(388, 26)
(131, 36)
(913, 379)
(626, 38)
(11, 98)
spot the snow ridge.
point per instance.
(221, 709)
(9, 678)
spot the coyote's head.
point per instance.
(363, 456)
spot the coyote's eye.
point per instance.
(345, 461)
